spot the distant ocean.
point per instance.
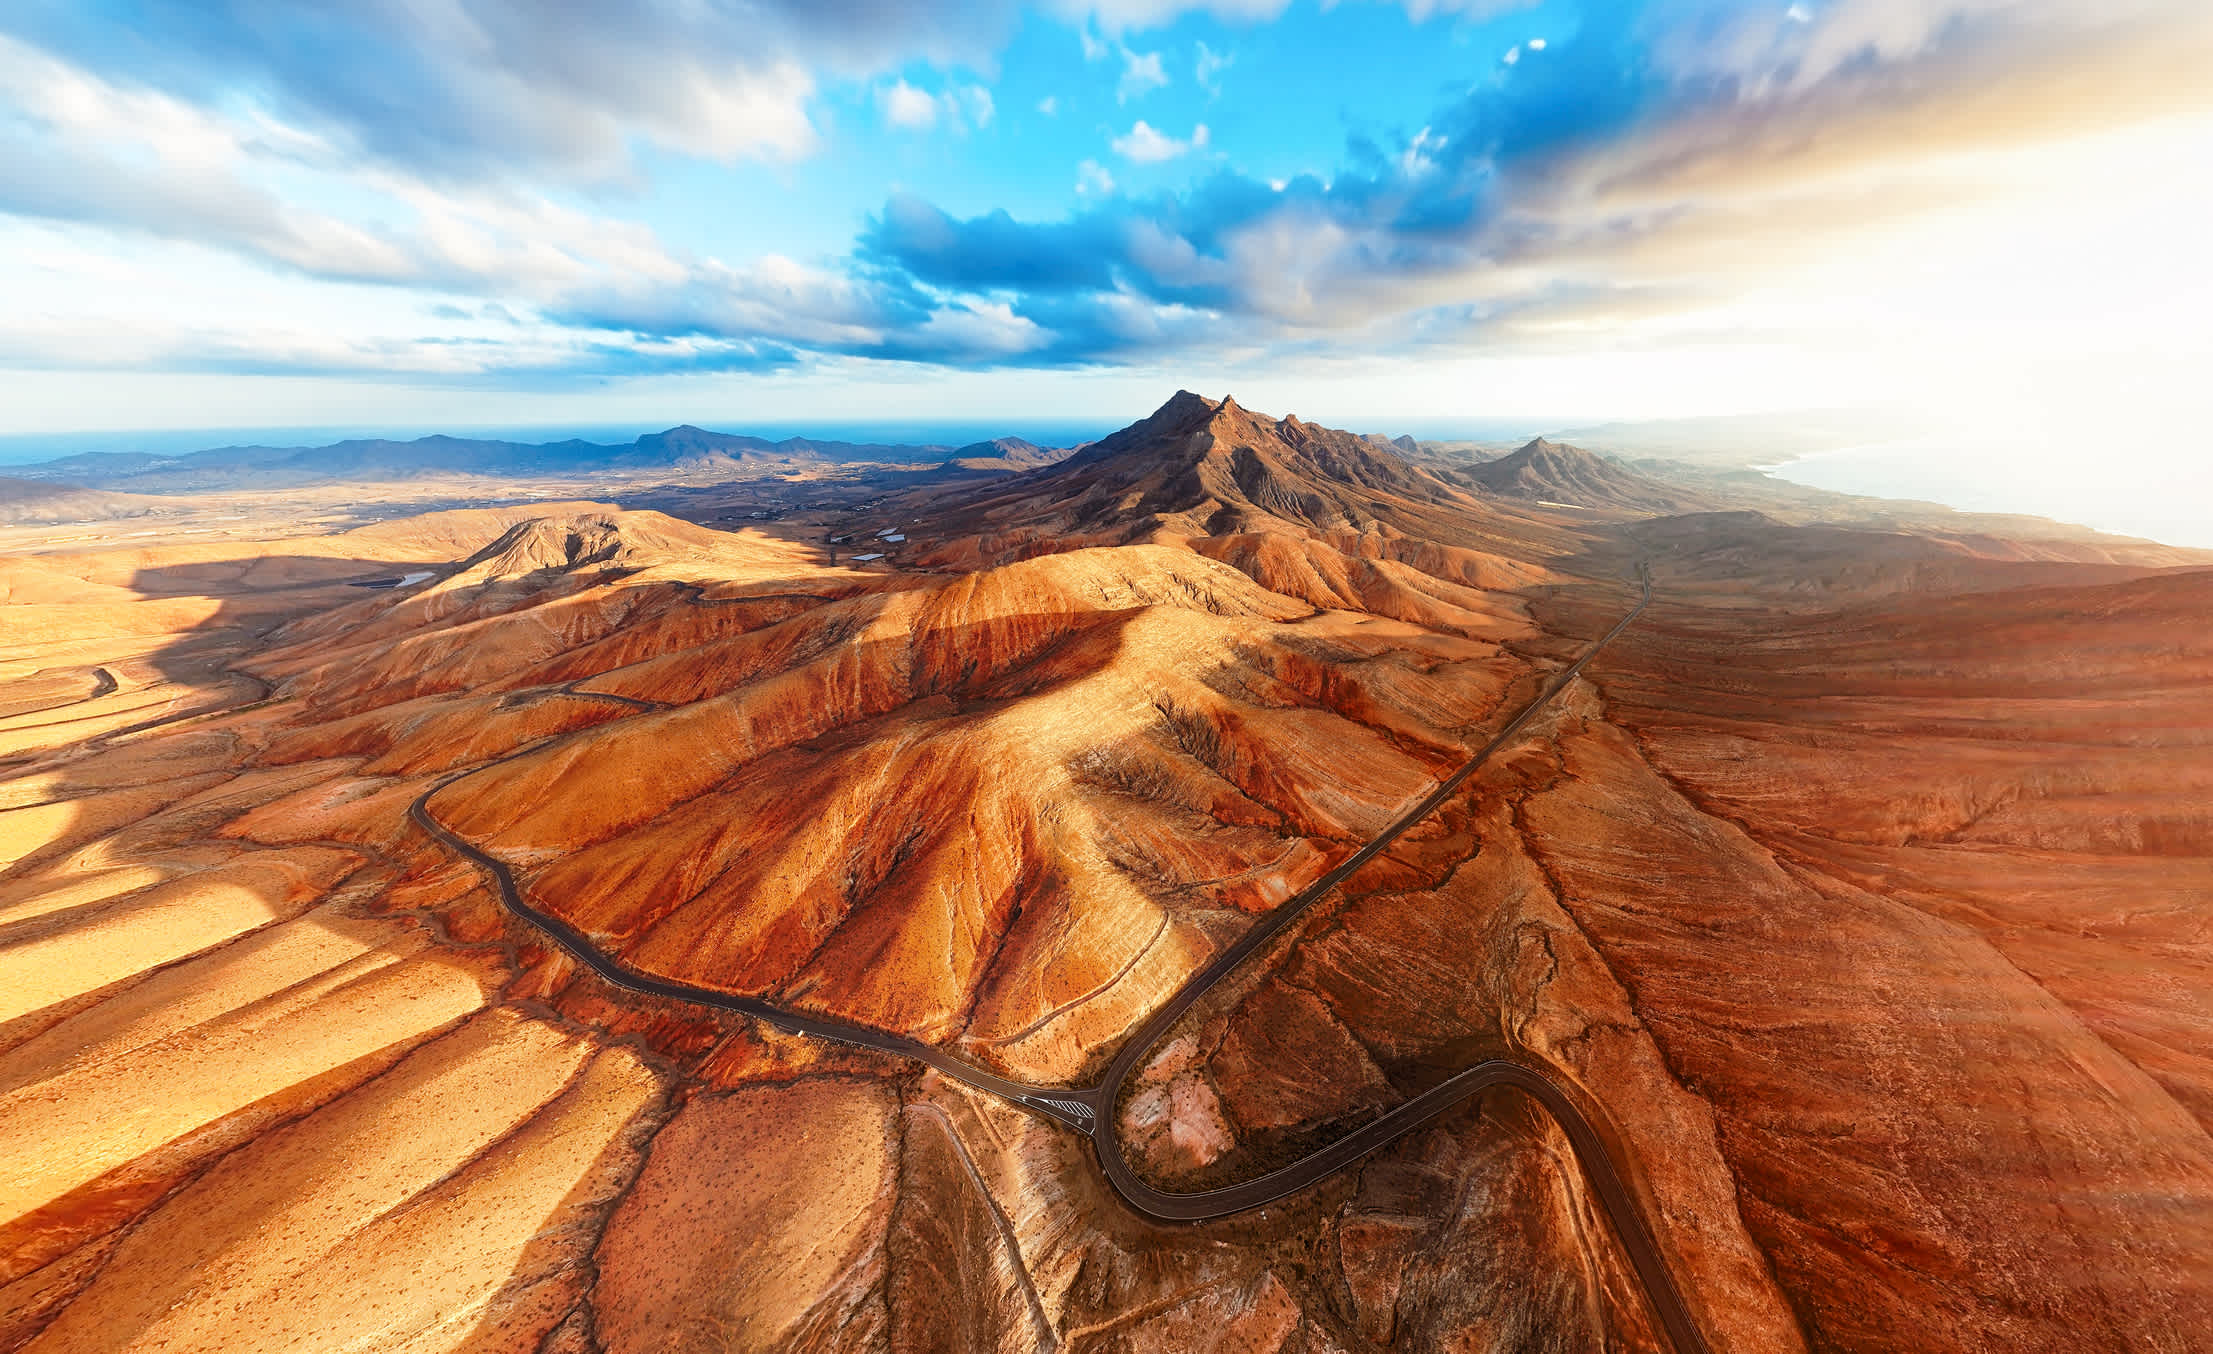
(2160, 494)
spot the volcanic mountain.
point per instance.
(1214, 468)
(1864, 915)
(1006, 455)
(1402, 443)
(1322, 515)
(1559, 474)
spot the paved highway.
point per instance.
(1091, 1110)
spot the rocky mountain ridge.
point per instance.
(1860, 896)
(1557, 474)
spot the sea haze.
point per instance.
(2159, 493)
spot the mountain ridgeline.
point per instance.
(1566, 476)
(1855, 899)
(684, 450)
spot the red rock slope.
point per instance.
(1864, 913)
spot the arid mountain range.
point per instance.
(1563, 476)
(703, 475)
(1858, 895)
(679, 451)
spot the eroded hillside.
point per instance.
(1858, 894)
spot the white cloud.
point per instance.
(1130, 16)
(84, 108)
(483, 90)
(1513, 54)
(1141, 74)
(762, 116)
(979, 328)
(919, 110)
(1094, 47)
(1210, 66)
(1762, 214)
(1049, 105)
(1171, 258)
(1421, 11)
(117, 304)
(1799, 47)
(141, 171)
(1866, 240)
(976, 101)
(1415, 159)
(908, 107)
(1115, 17)
(1146, 146)
(75, 147)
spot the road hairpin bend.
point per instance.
(1090, 1110)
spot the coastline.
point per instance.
(2172, 508)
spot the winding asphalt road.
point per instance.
(1090, 1110)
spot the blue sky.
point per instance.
(235, 213)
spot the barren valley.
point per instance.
(1855, 899)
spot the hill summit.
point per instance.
(1326, 516)
(1557, 473)
(1214, 466)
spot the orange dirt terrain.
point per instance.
(1859, 894)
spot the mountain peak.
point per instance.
(1213, 466)
(1561, 474)
(1182, 407)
